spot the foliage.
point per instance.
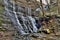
(1, 13)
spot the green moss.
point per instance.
(1, 12)
(1, 9)
(0, 21)
(2, 29)
(53, 8)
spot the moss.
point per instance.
(53, 8)
(0, 22)
(1, 9)
(1, 12)
(2, 29)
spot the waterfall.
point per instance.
(12, 15)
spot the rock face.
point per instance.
(27, 3)
(10, 32)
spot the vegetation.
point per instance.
(1, 13)
(53, 8)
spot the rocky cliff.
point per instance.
(8, 32)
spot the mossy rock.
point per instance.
(2, 29)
